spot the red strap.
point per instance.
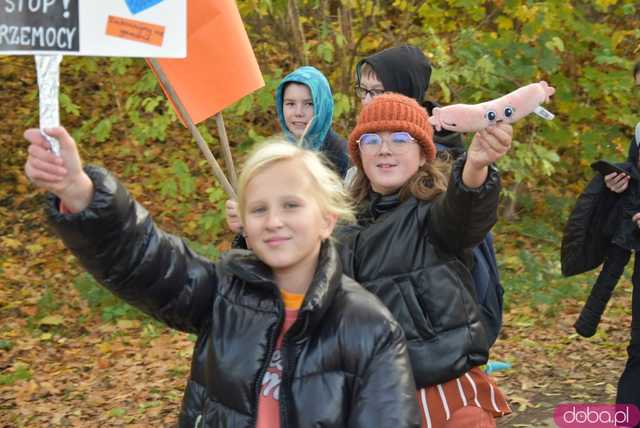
(63, 209)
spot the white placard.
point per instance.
(132, 28)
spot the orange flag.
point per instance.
(220, 67)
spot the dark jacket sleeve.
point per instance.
(589, 228)
(461, 217)
(335, 149)
(118, 243)
(386, 396)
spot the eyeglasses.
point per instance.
(362, 92)
(398, 142)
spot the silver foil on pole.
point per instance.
(48, 68)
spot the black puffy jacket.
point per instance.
(414, 255)
(345, 359)
(589, 229)
(600, 217)
(627, 234)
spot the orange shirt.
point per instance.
(268, 404)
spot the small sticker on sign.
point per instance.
(136, 6)
(544, 113)
(138, 31)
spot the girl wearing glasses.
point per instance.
(418, 219)
(405, 70)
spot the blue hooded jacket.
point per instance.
(320, 136)
(322, 105)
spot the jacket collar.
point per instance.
(377, 205)
(247, 267)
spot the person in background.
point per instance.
(405, 70)
(304, 104)
(625, 221)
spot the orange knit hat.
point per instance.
(393, 112)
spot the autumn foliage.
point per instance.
(72, 355)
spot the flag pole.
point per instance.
(204, 148)
(226, 150)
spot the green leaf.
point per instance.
(21, 372)
(102, 131)
(68, 105)
(117, 412)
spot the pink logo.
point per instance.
(578, 415)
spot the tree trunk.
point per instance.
(300, 51)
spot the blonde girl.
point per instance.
(284, 338)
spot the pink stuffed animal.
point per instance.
(509, 108)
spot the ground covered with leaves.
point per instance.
(72, 355)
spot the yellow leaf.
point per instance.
(504, 23)
(128, 324)
(34, 248)
(522, 402)
(52, 320)
(604, 4)
(11, 243)
(618, 36)
(104, 347)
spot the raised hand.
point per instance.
(233, 218)
(490, 144)
(487, 146)
(63, 176)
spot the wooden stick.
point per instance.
(226, 151)
(304, 133)
(204, 148)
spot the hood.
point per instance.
(403, 69)
(322, 105)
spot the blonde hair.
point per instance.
(429, 181)
(329, 190)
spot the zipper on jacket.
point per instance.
(199, 422)
(273, 337)
(289, 361)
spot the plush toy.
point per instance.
(509, 108)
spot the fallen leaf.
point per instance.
(52, 320)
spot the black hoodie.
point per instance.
(405, 70)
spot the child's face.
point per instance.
(297, 108)
(370, 87)
(389, 165)
(284, 225)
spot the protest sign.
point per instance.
(133, 28)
